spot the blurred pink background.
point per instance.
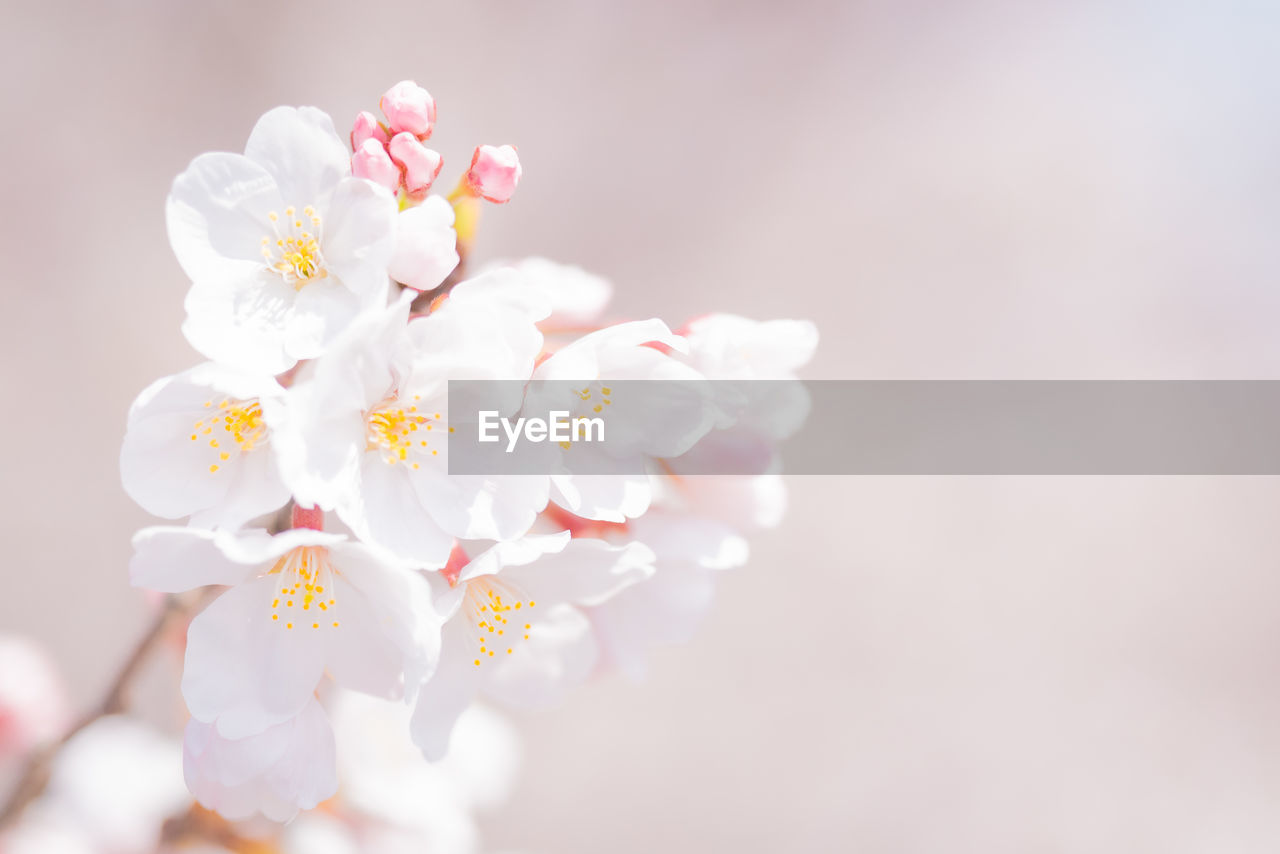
(951, 190)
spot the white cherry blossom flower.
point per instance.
(285, 768)
(284, 247)
(301, 604)
(199, 444)
(369, 425)
(666, 608)
(730, 347)
(694, 526)
(639, 431)
(758, 400)
(516, 630)
(577, 298)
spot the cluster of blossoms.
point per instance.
(327, 294)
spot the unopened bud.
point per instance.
(372, 161)
(366, 127)
(409, 107)
(421, 164)
(426, 245)
(494, 173)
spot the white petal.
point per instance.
(559, 655)
(521, 552)
(504, 289)
(726, 346)
(585, 572)
(663, 610)
(399, 599)
(288, 767)
(260, 548)
(173, 559)
(318, 313)
(387, 511)
(662, 418)
(604, 497)
(301, 150)
(217, 215)
(581, 360)
(359, 237)
(359, 654)
(426, 245)
(242, 322)
(485, 330)
(446, 694)
(161, 466)
(243, 671)
(474, 507)
(238, 384)
(321, 432)
(319, 456)
(255, 488)
(706, 543)
(577, 297)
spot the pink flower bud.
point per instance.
(372, 161)
(409, 107)
(421, 164)
(366, 127)
(494, 173)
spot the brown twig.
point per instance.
(35, 776)
(197, 824)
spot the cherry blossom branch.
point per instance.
(197, 824)
(35, 777)
(177, 607)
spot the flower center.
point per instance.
(487, 602)
(400, 432)
(305, 596)
(592, 399)
(237, 426)
(293, 249)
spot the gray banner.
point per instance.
(869, 427)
